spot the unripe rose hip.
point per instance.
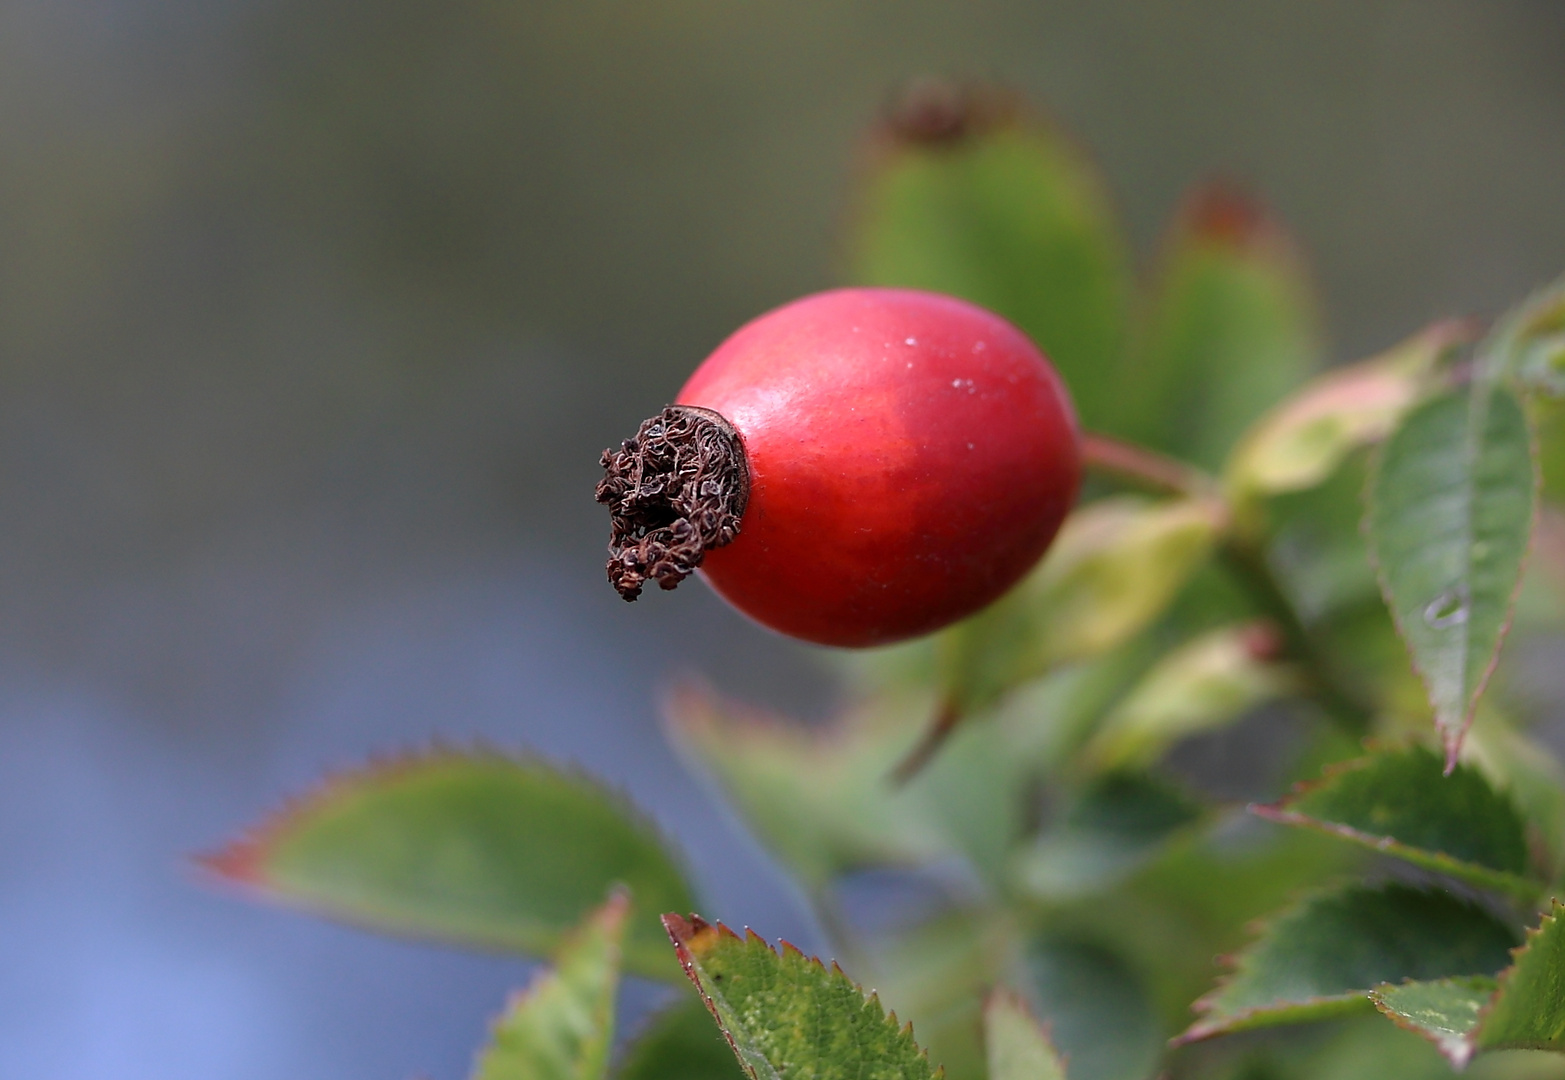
(854, 468)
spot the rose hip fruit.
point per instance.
(854, 468)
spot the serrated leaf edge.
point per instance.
(1319, 1007)
(680, 931)
(235, 861)
(1460, 1053)
(1513, 885)
(1519, 886)
(237, 864)
(1458, 1050)
(1315, 1008)
(1502, 981)
(1452, 742)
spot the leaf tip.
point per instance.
(616, 908)
(680, 929)
(239, 862)
(1196, 1032)
(1457, 1049)
(1269, 811)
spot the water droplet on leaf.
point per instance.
(1448, 609)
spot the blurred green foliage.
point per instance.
(1044, 803)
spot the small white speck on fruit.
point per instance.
(956, 383)
(912, 341)
(969, 446)
(979, 346)
(910, 363)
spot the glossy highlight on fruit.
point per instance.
(906, 458)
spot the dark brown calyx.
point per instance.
(674, 492)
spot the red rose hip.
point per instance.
(854, 468)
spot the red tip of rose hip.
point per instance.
(1224, 214)
(855, 468)
(939, 112)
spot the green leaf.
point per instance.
(1451, 508)
(1548, 420)
(1204, 684)
(1232, 329)
(1318, 550)
(1528, 1010)
(475, 849)
(1307, 437)
(1097, 1008)
(1323, 957)
(820, 797)
(1320, 558)
(680, 1042)
(1530, 774)
(1524, 1009)
(1115, 825)
(1019, 1047)
(1368, 1048)
(1114, 568)
(816, 796)
(1006, 212)
(561, 1028)
(1527, 344)
(789, 1018)
(1398, 802)
(1444, 1011)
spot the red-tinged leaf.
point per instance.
(787, 1016)
(476, 849)
(1302, 441)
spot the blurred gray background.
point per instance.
(315, 315)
